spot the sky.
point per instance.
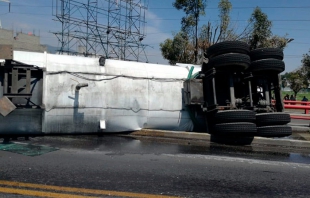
(287, 16)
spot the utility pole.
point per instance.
(196, 31)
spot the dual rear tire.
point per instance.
(273, 124)
(245, 123)
(234, 56)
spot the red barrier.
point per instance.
(305, 107)
(289, 104)
(300, 117)
(295, 102)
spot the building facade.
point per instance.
(21, 41)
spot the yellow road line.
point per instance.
(82, 190)
(39, 193)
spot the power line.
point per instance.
(208, 8)
(37, 6)
(213, 8)
(167, 19)
(298, 20)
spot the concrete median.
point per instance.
(207, 137)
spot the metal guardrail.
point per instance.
(289, 104)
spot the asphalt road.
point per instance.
(126, 167)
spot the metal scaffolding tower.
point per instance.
(110, 28)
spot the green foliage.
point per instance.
(278, 41)
(261, 35)
(206, 35)
(193, 10)
(261, 29)
(258, 32)
(177, 49)
(306, 60)
(224, 7)
(306, 65)
(298, 80)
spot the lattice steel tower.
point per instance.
(111, 28)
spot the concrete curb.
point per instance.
(299, 114)
(207, 137)
(297, 129)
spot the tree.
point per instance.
(261, 29)
(178, 49)
(193, 10)
(306, 61)
(298, 80)
(207, 35)
(261, 35)
(224, 7)
(257, 34)
(306, 64)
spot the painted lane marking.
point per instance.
(80, 190)
(39, 193)
(242, 160)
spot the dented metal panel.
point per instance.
(128, 96)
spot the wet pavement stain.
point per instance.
(121, 146)
(26, 149)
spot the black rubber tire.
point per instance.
(274, 131)
(235, 129)
(231, 61)
(267, 65)
(234, 116)
(277, 118)
(228, 47)
(266, 53)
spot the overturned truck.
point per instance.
(241, 91)
(230, 95)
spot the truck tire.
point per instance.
(266, 53)
(267, 65)
(267, 119)
(234, 116)
(235, 129)
(228, 47)
(231, 61)
(274, 131)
